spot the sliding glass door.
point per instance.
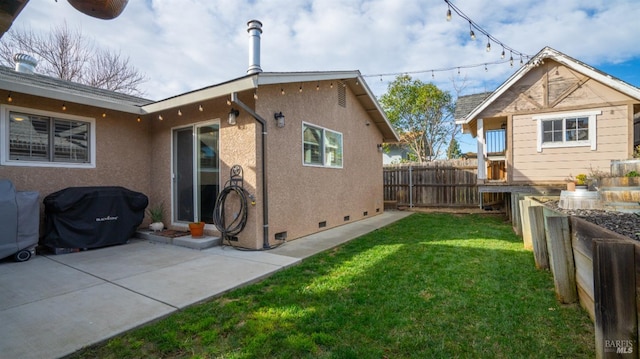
(196, 172)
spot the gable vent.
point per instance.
(342, 94)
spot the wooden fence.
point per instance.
(438, 184)
(590, 265)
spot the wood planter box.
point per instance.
(592, 265)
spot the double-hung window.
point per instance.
(567, 130)
(36, 138)
(321, 147)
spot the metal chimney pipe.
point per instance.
(25, 63)
(254, 30)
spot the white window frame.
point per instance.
(591, 142)
(324, 145)
(5, 160)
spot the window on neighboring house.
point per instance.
(35, 138)
(321, 147)
(567, 130)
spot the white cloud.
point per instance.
(183, 45)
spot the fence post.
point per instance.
(614, 282)
(538, 238)
(561, 258)
(524, 220)
(410, 186)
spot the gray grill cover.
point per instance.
(19, 219)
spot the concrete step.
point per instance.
(183, 241)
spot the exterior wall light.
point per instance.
(233, 114)
(279, 119)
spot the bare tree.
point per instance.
(68, 55)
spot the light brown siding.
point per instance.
(553, 88)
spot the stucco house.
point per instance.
(554, 118)
(308, 144)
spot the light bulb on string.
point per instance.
(449, 14)
(488, 45)
(502, 54)
(471, 33)
(511, 58)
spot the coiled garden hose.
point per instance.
(231, 230)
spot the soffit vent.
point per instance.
(342, 94)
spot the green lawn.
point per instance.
(428, 286)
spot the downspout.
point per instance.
(265, 196)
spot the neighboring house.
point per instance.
(395, 153)
(315, 167)
(554, 118)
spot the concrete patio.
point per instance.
(54, 305)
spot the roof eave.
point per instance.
(207, 93)
(65, 95)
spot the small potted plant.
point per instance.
(581, 182)
(197, 229)
(157, 215)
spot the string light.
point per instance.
(139, 119)
(64, 107)
(300, 89)
(282, 90)
(449, 14)
(490, 38)
(9, 98)
(443, 69)
(104, 115)
(502, 54)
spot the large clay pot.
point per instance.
(101, 9)
(197, 229)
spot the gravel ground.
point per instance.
(627, 224)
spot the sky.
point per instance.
(184, 45)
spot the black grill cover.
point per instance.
(92, 217)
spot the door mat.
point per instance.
(171, 233)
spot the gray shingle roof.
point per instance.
(9, 75)
(466, 104)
